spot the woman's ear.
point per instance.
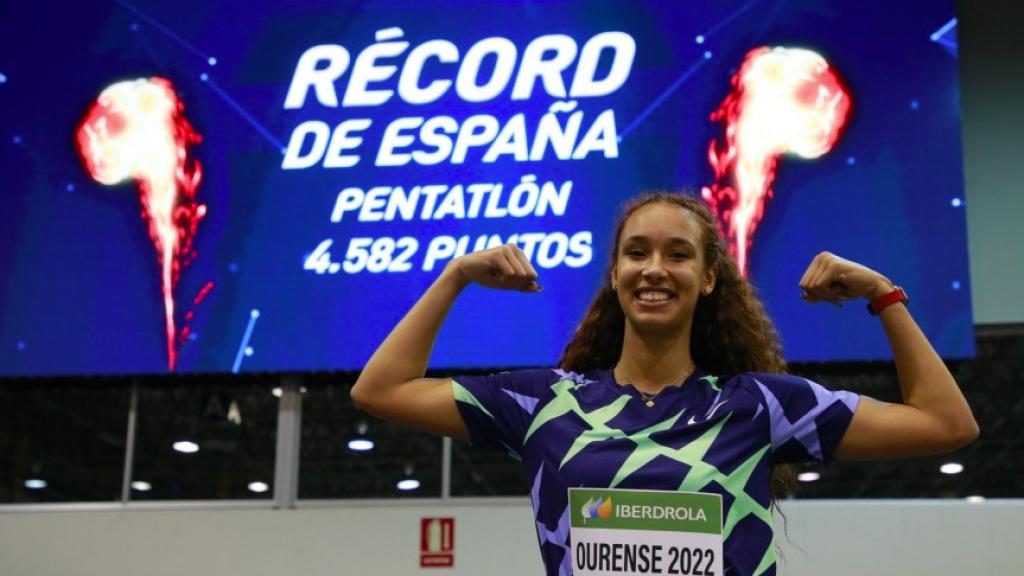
(710, 277)
(615, 279)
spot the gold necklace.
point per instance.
(647, 398)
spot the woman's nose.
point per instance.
(654, 268)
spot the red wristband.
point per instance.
(897, 294)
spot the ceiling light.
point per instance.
(258, 487)
(186, 447)
(808, 476)
(360, 445)
(141, 486)
(951, 468)
(975, 499)
(276, 391)
(408, 484)
(35, 483)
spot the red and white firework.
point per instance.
(136, 130)
(784, 101)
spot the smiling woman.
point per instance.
(674, 382)
(659, 274)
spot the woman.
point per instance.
(673, 381)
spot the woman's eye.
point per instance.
(635, 253)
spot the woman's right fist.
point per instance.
(503, 267)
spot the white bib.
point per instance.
(639, 532)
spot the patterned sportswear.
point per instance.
(712, 434)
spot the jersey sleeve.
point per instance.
(806, 420)
(498, 408)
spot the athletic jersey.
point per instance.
(713, 434)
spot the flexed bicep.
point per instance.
(426, 404)
(883, 430)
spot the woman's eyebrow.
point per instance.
(673, 240)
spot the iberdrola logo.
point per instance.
(601, 508)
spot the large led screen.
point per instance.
(268, 186)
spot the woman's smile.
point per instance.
(654, 296)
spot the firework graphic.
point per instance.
(784, 101)
(136, 130)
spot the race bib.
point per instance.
(633, 532)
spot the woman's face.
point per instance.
(659, 268)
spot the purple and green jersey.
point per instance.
(713, 434)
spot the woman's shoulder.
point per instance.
(790, 390)
(762, 378)
(539, 377)
(758, 384)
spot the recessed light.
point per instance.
(951, 468)
(360, 445)
(186, 447)
(258, 487)
(808, 476)
(408, 484)
(141, 486)
(35, 483)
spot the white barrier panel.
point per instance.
(491, 537)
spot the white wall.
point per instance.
(833, 538)
(993, 126)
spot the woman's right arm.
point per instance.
(392, 386)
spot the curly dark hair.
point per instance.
(731, 332)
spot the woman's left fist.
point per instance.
(830, 278)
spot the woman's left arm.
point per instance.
(934, 416)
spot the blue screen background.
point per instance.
(81, 291)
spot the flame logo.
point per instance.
(135, 130)
(784, 100)
(601, 508)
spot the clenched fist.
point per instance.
(503, 267)
(830, 278)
